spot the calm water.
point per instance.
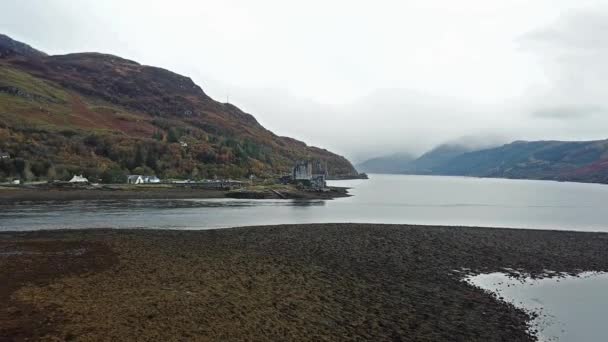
(381, 199)
(570, 308)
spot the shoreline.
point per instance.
(568, 181)
(305, 282)
(45, 193)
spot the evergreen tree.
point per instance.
(173, 135)
(152, 160)
(139, 156)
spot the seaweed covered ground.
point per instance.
(301, 282)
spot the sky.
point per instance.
(361, 78)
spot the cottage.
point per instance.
(135, 179)
(139, 179)
(151, 179)
(79, 179)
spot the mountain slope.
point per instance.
(404, 163)
(437, 156)
(107, 116)
(584, 161)
(395, 163)
(580, 161)
(10, 47)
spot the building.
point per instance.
(151, 179)
(310, 174)
(4, 155)
(285, 179)
(135, 179)
(79, 179)
(139, 179)
(302, 171)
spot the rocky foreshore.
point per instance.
(10, 194)
(348, 177)
(301, 282)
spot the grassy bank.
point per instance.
(302, 282)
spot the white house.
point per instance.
(135, 179)
(78, 179)
(151, 179)
(139, 179)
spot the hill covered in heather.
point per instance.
(106, 116)
(578, 161)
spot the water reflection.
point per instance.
(382, 199)
(28, 207)
(569, 308)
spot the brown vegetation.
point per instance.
(106, 116)
(307, 282)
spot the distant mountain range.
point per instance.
(581, 161)
(395, 163)
(401, 163)
(428, 162)
(107, 116)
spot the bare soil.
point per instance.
(327, 282)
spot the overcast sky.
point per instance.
(361, 78)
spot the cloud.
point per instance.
(574, 32)
(567, 112)
(359, 79)
(383, 122)
(573, 51)
(479, 141)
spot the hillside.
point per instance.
(558, 160)
(437, 156)
(106, 116)
(406, 163)
(578, 161)
(582, 161)
(395, 163)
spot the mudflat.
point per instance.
(299, 282)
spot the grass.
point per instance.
(30, 84)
